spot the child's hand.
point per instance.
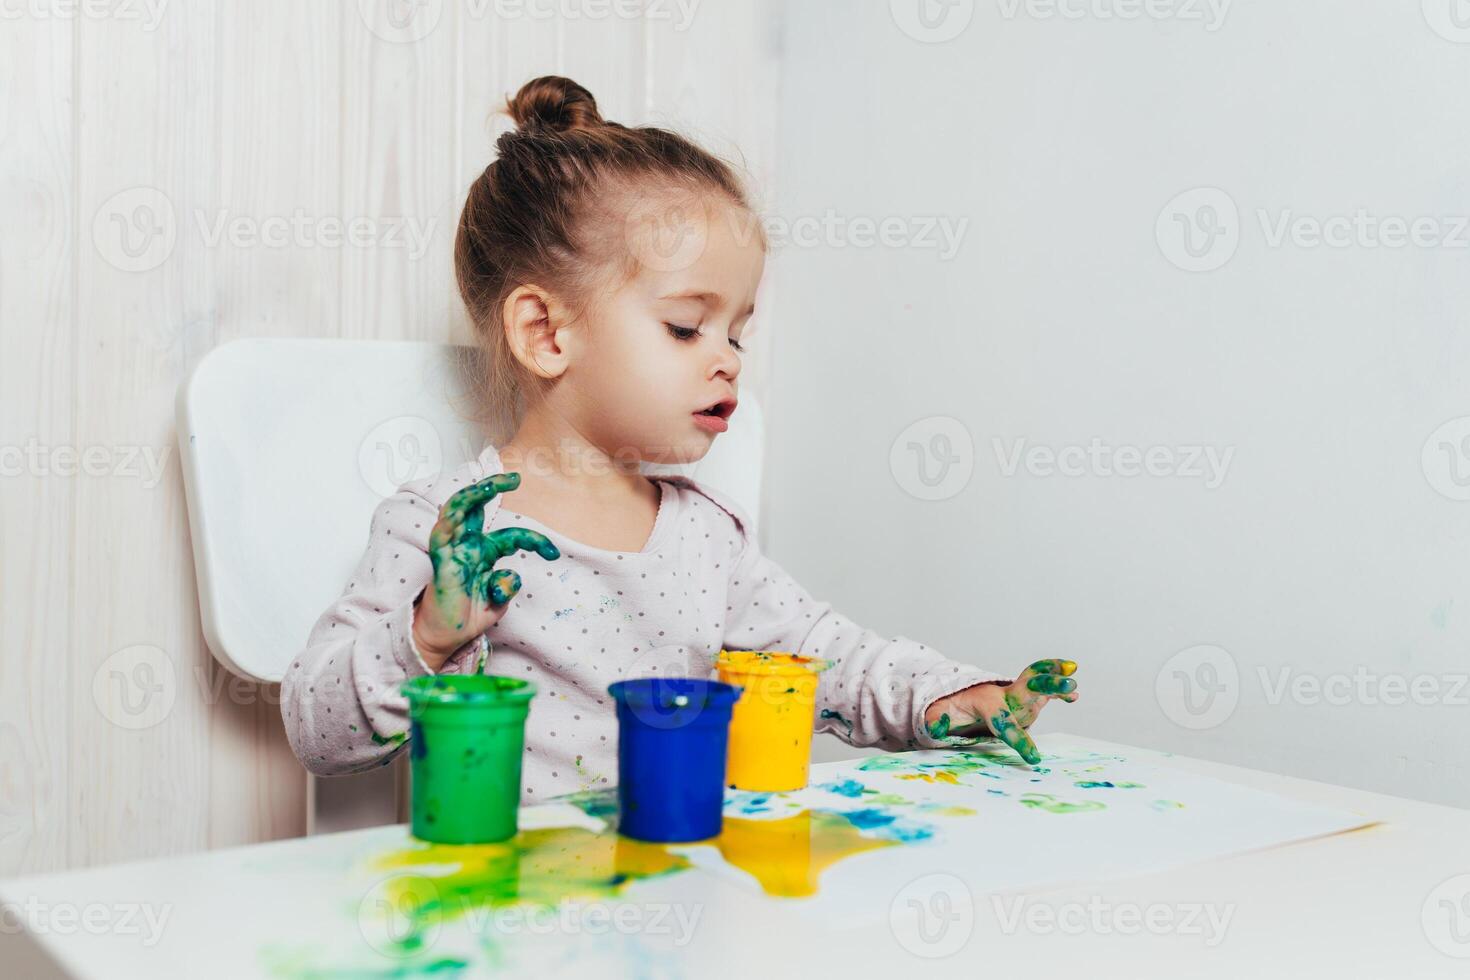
(468, 594)
(1004, 710)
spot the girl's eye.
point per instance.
(689, 333)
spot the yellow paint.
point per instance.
(938, 776)
(440, 882)
(771, 725)
(787, 856)
(435, 883)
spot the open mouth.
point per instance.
(720, 410)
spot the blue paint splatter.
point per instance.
(847, 787)
(887, 825)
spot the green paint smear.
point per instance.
(837, 716)
(1105, 784)
(946, 770)
(390, 740)
(289, 967)
(940, 728)
(1049, 803)
(1167, 805)
(432, 884)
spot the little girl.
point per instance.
(609, 273)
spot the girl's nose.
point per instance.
(728, 363)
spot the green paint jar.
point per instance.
(466, 736)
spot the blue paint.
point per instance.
(887, 825)
(847, 787)
(417, 747)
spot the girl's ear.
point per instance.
(529, 315)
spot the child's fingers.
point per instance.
(1064, 667)
(476, 494)
(1052, 685)
(508, 540)
(1004, 724)
(504, 583)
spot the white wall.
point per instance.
(1329, 545)
(237, 111)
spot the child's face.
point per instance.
(659, 351)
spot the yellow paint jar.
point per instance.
(771, 725)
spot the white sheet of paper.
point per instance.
(1079, 816)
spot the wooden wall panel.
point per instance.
(164, 188)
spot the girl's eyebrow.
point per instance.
(706, 297)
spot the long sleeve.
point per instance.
(877, 690)
(339, 699)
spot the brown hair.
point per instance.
(548, 210)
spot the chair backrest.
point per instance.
(289, 445)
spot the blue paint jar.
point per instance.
(673, 737)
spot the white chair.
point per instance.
(287, 447)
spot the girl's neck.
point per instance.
(557, 461)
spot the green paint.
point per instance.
(1052, 685)
(600, 804)
(948, 769)
(1005, 724)
(297, 966)
(1049, 803)
(1167, 805)
(398, 739)
(464, 555)
(1105, 784)
(939, 729)
(837, 716)
(433, 884)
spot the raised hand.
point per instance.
(1003, 710)
(469, 594)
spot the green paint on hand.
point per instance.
(398, 739)
(464, 555)
(939, 728)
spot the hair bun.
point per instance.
(554, 103)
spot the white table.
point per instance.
(1377, 902)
